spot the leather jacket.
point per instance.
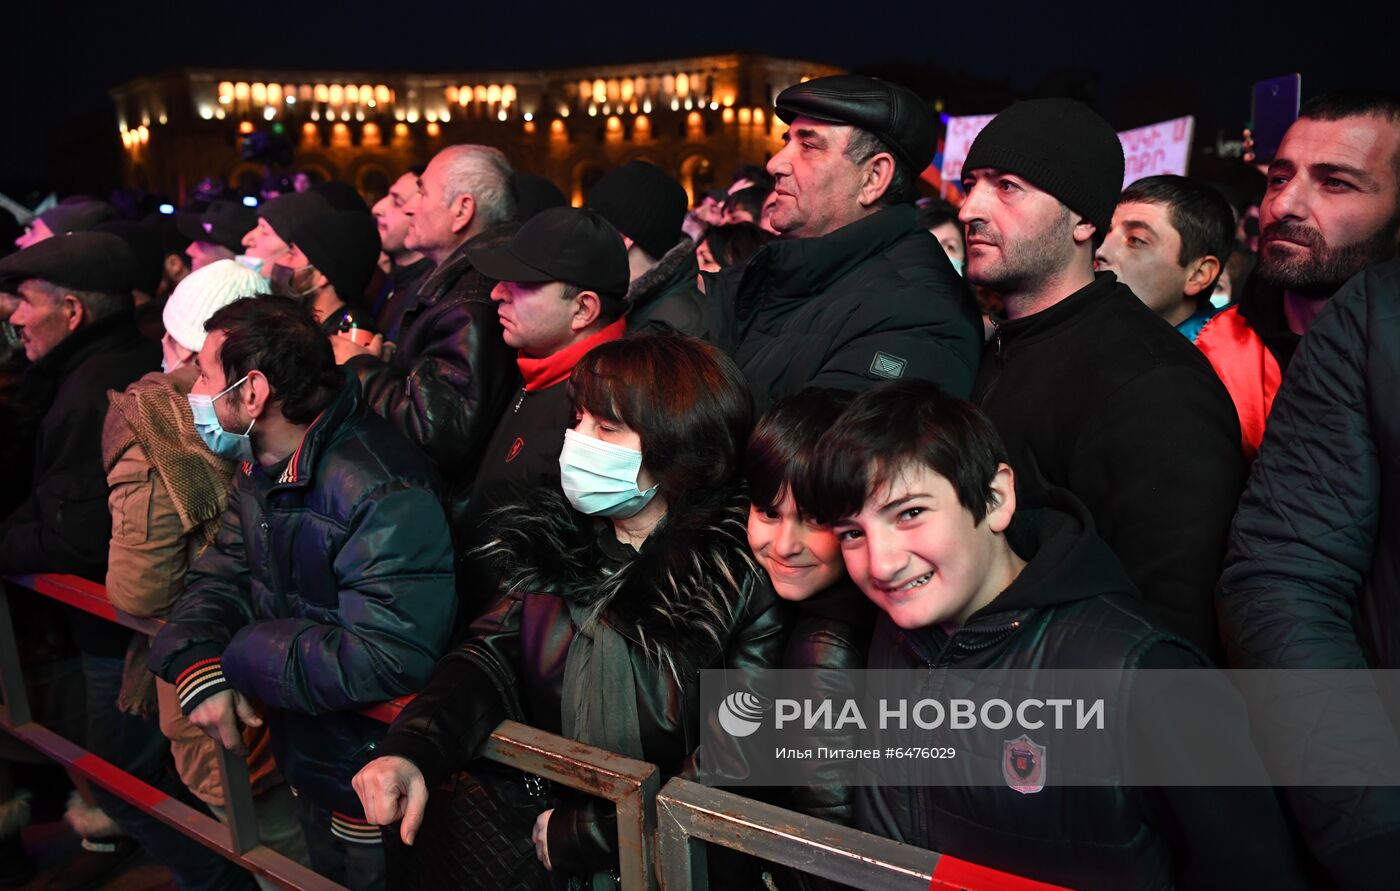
(690, 599)
(452, 375)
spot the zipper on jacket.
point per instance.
(519, 401)
(990, 636)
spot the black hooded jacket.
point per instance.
(1072, 607)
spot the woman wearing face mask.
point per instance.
(168, 488)
(834, 620)
(619, 590)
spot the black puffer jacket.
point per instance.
(448, 382)
(1312, 575)
(327, 590)
(691, 599)
(64, 526)
(667, 295)
(1073, 607)
(874, 300)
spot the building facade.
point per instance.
(698, 118)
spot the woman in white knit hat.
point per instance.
(167, 491)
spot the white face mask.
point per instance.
(600, 479)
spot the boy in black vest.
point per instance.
(924, 505)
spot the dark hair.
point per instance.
(687, 401)
(733, 243)
(277, 337)
(891, 428)
(1199, 214)
(784, 442)
(903, 187)
(610, 307)
(1355, 104)
(750, 199)
(934, 212)
(416, 169)
(756, 173)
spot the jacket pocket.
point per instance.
(130, 501)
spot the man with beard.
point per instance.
(1330, 211)
(1090, 390)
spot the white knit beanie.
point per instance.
(203, 293)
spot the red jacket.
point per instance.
(1247, 368)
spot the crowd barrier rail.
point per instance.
(662, 832)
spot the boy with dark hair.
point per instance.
(924, 504)
(1169, 241)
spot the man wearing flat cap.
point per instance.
(77, 328)
(1091, 390)
(854, 292)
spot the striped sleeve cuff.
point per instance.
(355, 830)
(198, 681)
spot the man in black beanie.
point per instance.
(854, 292)
(1091, 390)
(331, 259)
(648, 206)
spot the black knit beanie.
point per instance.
(1061, 146)
(344, 246)
(642, 202)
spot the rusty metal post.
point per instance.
(238, 800)
(629, 784)
(690, 814)
(11, 672)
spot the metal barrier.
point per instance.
(631, 785)
(661, 834)
(690, 816)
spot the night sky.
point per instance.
(1138, 62)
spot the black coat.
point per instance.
(1312, 576)
(668, 296)
(328, 589)
(65, 526)
(874, 300)
(449, 380)
(1072, 607)
(691, 599)
(1099, 396)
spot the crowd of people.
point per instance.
(535, 462)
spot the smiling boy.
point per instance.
(924, 504)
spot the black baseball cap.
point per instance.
(222, 222)
(83, 261)
(561, 244)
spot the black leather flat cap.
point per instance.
(893, 113)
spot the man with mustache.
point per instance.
(1330, 212)
(1090, 390)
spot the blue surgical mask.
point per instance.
(253, 263)
(234, 446)
(600, 479)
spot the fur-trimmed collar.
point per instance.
(660, 277)
(677, 599)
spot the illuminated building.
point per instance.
(698, 118)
